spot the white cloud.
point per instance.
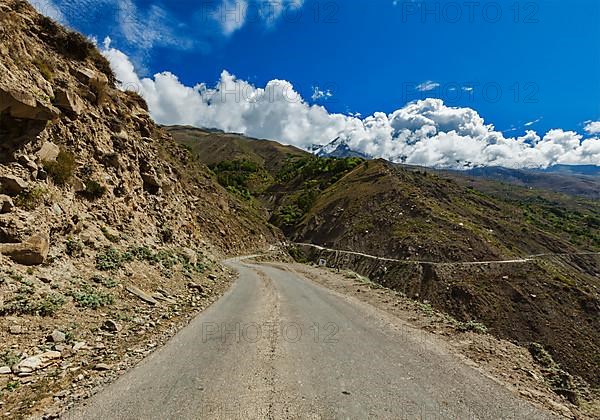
(425, 132)
(592, 127)
(318, 93)
(232, 15)
(427, 86)
(530, 123)
(50, 9)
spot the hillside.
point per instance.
(439, 223)
(110, 232)
(216, 147)
(560, 179)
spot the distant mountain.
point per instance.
(580, 180)
(562, 179)
(590, 170)
(337, 148)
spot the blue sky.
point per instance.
(520, 65)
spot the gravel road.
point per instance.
(279, 346)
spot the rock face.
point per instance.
(31, 252)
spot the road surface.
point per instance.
(278, 346)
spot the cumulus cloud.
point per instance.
(425, 132)
(427, 86)
(592, 127)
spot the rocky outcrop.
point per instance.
(23, 105)
(48, 152)
(31, 252)
(68, 101)
(12, 185)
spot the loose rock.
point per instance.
(34, 251)
(141, 294)
(12, 185)
(6, 204)
(57, 336)
(111, 326)
(39, 361)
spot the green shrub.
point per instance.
(473, 326)
(9, 358)
(107, 282)
(50, 305)
(112, 259)
(74, 248)
(541, 356)
(89, 297)
(93, 189)
(108, 235)
(31, 199)
(12, 385)
(45, 67)
(25, 304)
(61, 170)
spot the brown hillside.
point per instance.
(214, 147)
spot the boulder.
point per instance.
(77, 184)
(68, 101)
(78, 345)
(34, 251)
(5, 370)
(6, 204)
(12, 185)
(57, 337)
(29, 164)
(24, 106)
(16, 329)
(48, 153)
(91, 77)
(151, 180)
(40, 361)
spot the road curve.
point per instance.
(277, 346)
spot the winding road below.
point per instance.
(277, 346)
